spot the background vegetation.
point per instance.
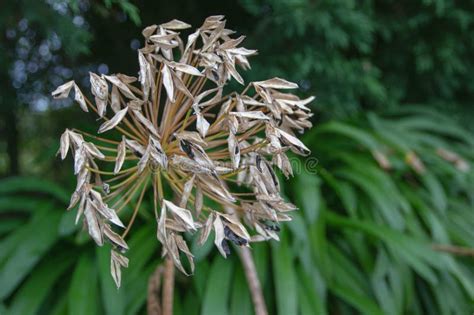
(385, 225)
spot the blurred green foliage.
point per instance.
(384, 193)
(369, 54)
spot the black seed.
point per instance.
(106, 188)
(158, 149)
(301, 150)
(234, 238)
(270, 169)
(215, 75)
(304, 151)
(237, 150)
(271, 225)
(274, 227)
(137, 154)
(225, 247)
(186, 147)
(258, 160)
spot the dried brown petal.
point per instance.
(136, 147)
(98, 86)
(64, 144)
(192, 137)
(148, 31)
(116, 262)
(80, 208)
(79, 97)
(182, 246)
(234, 73)
(188, 165)
(148, 124)
(185, 68)
(251, 115)
(161, 231)
(206, 230)
(168, 82)
(276, 83)
(114, 121)
(181, 86)
(121, 153)
(186, 192)
(216, 187)
(242, 51)
(122, 86)
(144, 159)
(62, 91)
(198, 202)
(101, 106)
(234, 150)
(172, 249)
(82, 179)
(157, 153)
(237, 227)
(93, 224)
(175, 25)
(202, 125)
(146, 78)
(92, 150)
(107, 213)
(219, 230)
(184, 214)
(294, 142)
(113, 237)
(79, 160)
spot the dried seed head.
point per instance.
(174, 125)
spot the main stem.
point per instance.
(168, 286)
(154, 287)
(253, 281)
(168, 276)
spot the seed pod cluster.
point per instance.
(174, 125)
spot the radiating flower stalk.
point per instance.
(177, 127)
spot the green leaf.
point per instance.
(438, 196)
(284, 277)
(240, 303)
(67, 225)
(18, 204)
(200, 278)
(25, 184)
(216, 298)
(83, 292)
(414, 252)
(362, 303)
(26, 247)
(308, 195)
(349, 131)
(312, 301)
(37, 287)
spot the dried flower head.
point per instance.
(176, 125)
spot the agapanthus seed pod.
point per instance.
(173, 125)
